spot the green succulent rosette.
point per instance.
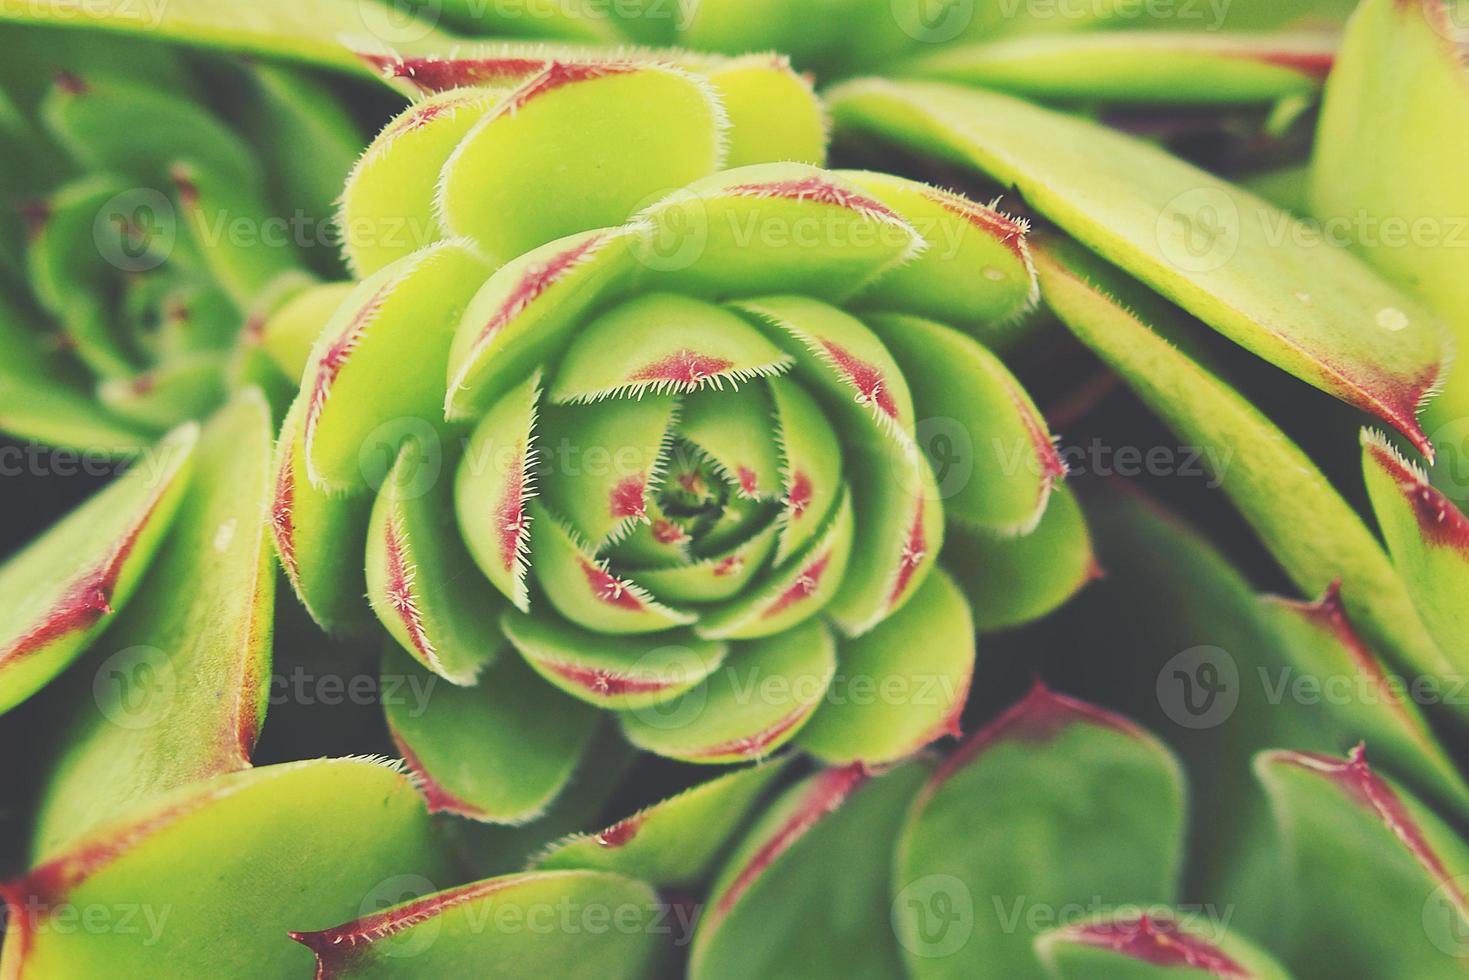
(637, 466)
(148, 232)
(639, 418)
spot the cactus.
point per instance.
(685, 492)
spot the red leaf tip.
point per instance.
(70, 83)
(1357, 780)
(1038, 717)
(826, 792)
(1160, 942)
(1440, 521)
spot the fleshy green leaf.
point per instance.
(673, 842)
(662, 342)
(578, 146)
(773, 229)
(964, 238)
(900, 686)
(500, 927)
(421, 582)
(1394, 116)
(1305, 523)
(1158, 67)
(1054, 804)
(754, 704)
(1239, 264)
(774, 114)
(992, 453)
(290, 330)
(613, 671)
(809, 885)
(1011, 581)
(178, 690)
(55, 415)
(66, 586)
(219, 871)
(494, 481)
(1352, 833)
(314, 531)
(599, 462)
(811, 466)
(1149, 946)
(1368, 703)
(1428, 538)
(380, 358)
(529, 309)
(842, 359)
(898, 508)
(498, 752)
(305, 30)
(581, 587)
(388, 204)
(1212, 675)
(721, 576)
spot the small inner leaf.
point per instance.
(493, 486)
(734, 430)
(792, 593)
(663, 342)
(598, 464)
(421, 581)
(613, 671)
(582, 588)
(762, 696)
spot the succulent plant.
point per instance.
(669, 425)
(155, 237)
(633, 439)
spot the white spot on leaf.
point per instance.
(1391, 318)
(224, 534)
